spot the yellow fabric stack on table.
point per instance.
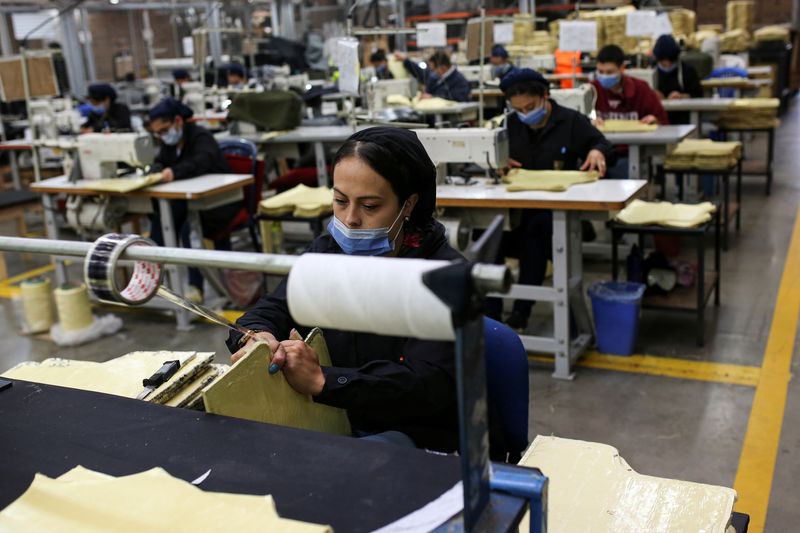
(683, 22)
(84, 500)
(546, 180)
(644, 213)
(528, 41)
(626, 126)
(740, 15)
(300, 201)
(122, 185)
(772, 33)
(750, 113)
(733, 41)
(419, 103)
(123, 376)
(696, 40)
(704, 154)
(592, 488)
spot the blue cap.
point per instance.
(666, 48)
(499, 50)
(235, 68)
(180, 74)
(517, 75)
(169, 108)
(101, 91)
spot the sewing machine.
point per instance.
(473, 73)
(546, 62)
(99, 153)
(52, 117)
(581, 98)
(378, 90)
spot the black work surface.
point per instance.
(344, 482)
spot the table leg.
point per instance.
(577, 304)
(176, 273)
(725, 207)
(634, 163)
(717, 261)
(322, 169)
(701, 288)
(739, 195)
(12, 161)
(51, 227)
(694, 118)
(770, 155)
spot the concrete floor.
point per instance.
(662, 426)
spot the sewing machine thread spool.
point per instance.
(72, 304)
(37, 305)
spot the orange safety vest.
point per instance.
(564, 65)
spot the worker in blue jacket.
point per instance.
(441, 78)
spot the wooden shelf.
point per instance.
(681, 298)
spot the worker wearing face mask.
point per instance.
(187, 151)
(380, 63)
(500, 63)
(441, 78)
(542, 136)
(103, 112)
(396, 390)
(675, 79)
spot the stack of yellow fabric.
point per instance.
(640, 212)
(704, 154)
(733, 41)
(696, 40)
(683, 21)
(772, 33)
(740, 15)
(626, 126)
(122, 185)
(546, 180)
(301, 201)
(422, 104)
(85, 500)
(747, 113)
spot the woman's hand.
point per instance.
(677, 95)
(300, 365)
(595, 160)
(167, 175)
(265, 336)
(598, 122)
(512, 163)
(649, 119)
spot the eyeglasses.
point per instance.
(161, 131)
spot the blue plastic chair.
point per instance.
(507, 385)
(727, 72)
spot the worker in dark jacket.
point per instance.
(442, 79)
(397, 390)
(380, 63)
(543, 136)
(187, 151)
(105, 113)
(500, 62)
(675, 79)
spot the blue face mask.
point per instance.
(380, 70)
(362, 241)
(501, 70)
(608, 81)
(172, 137)
(533, 117)
(98, 109)
(666, 70)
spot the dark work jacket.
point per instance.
(384, 383)
(667, 83)
(565, 140)
(117, 118)
(452, 87)
(199, 154)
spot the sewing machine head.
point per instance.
(580, 98)
(483, 147)
(100, 152)
(379, 90)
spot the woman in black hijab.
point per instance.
(399, 390)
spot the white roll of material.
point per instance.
(74, 309)
(37, 305)
(377, 295)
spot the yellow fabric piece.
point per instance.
(772, 33)
(750, 113)
(592, 488)
(396, 67)
(301, 201)
(192, 391)
(268, 136)
(640, 212)
(704, 154)
(85, 501)
(519, 179)
(121, 376)
(740, 15)
(248, 391)
(419, 103)
(626, 126)
(122, 184)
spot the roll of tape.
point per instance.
(99, 271)
(74, 309)
(368, 294)
(457, 231)
(37, 305)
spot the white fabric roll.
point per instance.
(368, 294)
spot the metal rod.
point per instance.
(480, 72)
(267, 263)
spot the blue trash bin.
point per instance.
(616, 306)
